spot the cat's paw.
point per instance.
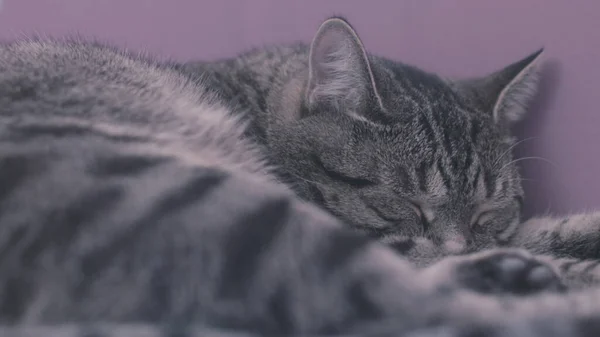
(507, 271)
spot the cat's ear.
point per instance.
(507, 93)
(340, 76)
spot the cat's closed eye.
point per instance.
(478, 226)
(357, 182)
(482, 220)
(421, 215)
(383, 215)
(417, 210)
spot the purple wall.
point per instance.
(453, 37)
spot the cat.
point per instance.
(420, 162)
(131, 193)
(118, 231)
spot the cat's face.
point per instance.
(398, 152)
(451, 180)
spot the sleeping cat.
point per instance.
(113, 231)
(420, 162)
(132, 192)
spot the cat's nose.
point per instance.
(454, 245)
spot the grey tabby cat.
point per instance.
(134, 201)
(421, 162)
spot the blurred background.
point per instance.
(451, 37)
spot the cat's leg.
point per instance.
(575, 273)
(571, 244)
(497, 271)
(575, 236)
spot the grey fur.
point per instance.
(377, 142)
(116, 230)
(130, 195)
(410, 158)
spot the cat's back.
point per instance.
(83, 79)
(88, 82)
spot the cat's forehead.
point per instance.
(400, 85)
(429, 133)
(429, 115)
(436, 132)
(439, 181)
(438, 153)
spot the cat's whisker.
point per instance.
(528, 158)
(510, 149)
(522, 179)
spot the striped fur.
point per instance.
(86, 241)
(571, 243)
(137, 192)
(420, 162)
(393, 151)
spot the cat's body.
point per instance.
(452, 136)
(131, 192)
(112, 230)
(320, 157)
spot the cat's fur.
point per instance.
(421, 162)
(392, 150)
(130, 195)
(126, 229)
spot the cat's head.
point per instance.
(396, 151)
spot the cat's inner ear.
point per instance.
(340, 76)
(507, 93)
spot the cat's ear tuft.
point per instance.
(340, 75)
(507, 93)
